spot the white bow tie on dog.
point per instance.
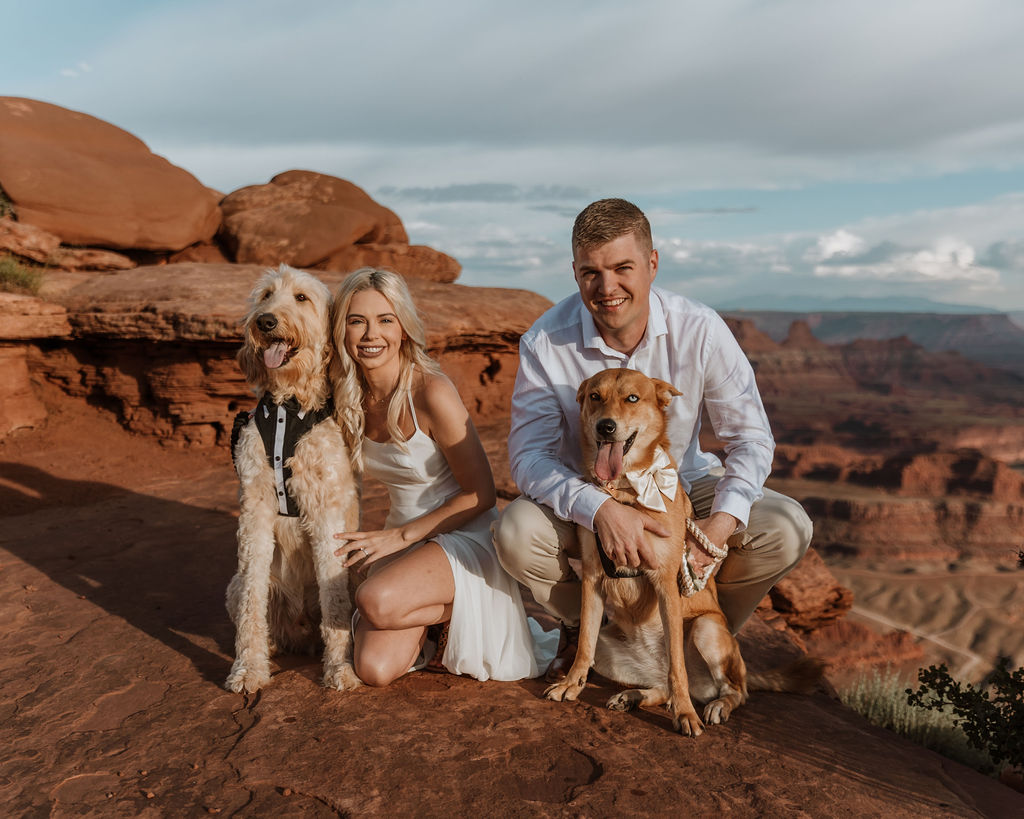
(657, 480)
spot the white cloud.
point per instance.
(840, 243)
(949, 260)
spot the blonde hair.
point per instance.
(349, 385)
(606, 219)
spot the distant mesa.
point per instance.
(77, 193)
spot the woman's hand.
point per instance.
(369, 547)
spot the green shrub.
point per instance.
(991, 718)
(880, 698)
(17, 278)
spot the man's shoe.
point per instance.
(566, 654)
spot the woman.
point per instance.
(434, 561)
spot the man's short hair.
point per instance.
(608, 219)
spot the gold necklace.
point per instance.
(373, 403)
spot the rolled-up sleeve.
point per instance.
(738, 418)
(537, 430)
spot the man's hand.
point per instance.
(719, 528)
(621, 531)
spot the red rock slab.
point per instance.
(94, 184)
(28, 241)
(27, 317)
(187, 387)
(115, 560)
(90, 258)
(194, 301)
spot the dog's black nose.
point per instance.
(606, 426)
(266, 322)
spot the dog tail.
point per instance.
(798, 677)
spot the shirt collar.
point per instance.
(656, 326)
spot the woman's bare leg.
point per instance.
(396, 604)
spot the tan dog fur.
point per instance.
(288, 579)
(643, 644)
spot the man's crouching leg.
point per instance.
(534, 546)
(778, 534)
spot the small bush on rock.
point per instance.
(991, 718)
(17, 278)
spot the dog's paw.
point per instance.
(244, 680)
(716, 712)
(341, 677)
(626, 701)
(565, 691)
(688, 724)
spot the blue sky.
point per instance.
(829, 149)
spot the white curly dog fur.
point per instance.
(288, 578)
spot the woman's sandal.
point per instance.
(438, 634)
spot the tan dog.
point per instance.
(623, 429)
(296, 490)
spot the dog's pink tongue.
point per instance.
(274, 355)
(609, 461)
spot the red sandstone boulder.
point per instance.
(91, 183)
(419, 261)
(312, 220)
(296, 233)
(810, 597)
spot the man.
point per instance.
(618, 319)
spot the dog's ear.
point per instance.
(665, 392)
(582, 391)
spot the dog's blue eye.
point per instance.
(632, 398)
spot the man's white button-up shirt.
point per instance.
(686, 344)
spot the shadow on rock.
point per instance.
(161, 565)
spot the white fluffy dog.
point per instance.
(297, 490)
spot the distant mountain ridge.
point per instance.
(993, 339)
(846, 304)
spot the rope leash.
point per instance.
(690, 581)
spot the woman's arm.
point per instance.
(442, 416)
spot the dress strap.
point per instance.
(412, 409)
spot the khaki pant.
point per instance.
(534, 546)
